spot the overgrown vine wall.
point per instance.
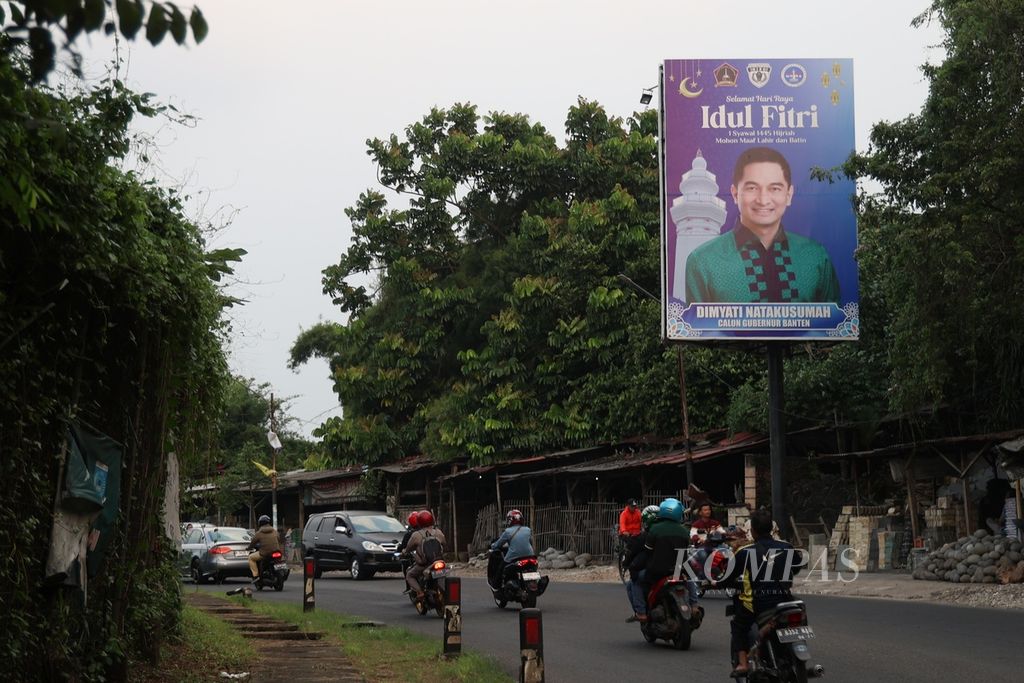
(109, 313)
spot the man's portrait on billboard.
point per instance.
(759, 260)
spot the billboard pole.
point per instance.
(776, 430)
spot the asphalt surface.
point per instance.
(586, 638)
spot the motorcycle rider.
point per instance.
(412, 523)
(763, 571)
(635, 560)
(266, 541)
(425, 546)
(629, 521)
(704, 523)
(666, 537)
(519, 539)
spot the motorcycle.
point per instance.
(711, 561)
(273, 572)
(519, 581)
(779, 651)
(669, 615)
(433, 589)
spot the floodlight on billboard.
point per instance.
(753, 247)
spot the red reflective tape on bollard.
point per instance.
(530, 629)
(453, 587)
(309, 566)
(531, 632)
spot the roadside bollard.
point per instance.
(531, 646)
(452, 646)
(308, 575)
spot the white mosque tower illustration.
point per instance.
(698, 214)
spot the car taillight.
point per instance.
(794, 619)
(276, 555)
(220, 550)
(528, 562)
(437, 566)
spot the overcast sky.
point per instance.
(286, 94)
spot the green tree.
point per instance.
(110, 314)
(497, 321)
(942, 242)
(241, 440)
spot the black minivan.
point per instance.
(363, 542)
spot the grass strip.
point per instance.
(388, 653)
(204, 647)
(216, 639)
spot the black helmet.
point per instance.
(263, 520)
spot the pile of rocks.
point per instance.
(979, 558)
(548, 559)
(558, 559)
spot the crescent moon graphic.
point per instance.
(685, 91)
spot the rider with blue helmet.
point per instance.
(662, 543)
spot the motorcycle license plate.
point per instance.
(791, 635)
(281, 566)
(531, 576)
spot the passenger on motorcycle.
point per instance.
(763, 572)
(519, 541)
(426, 545)
(265, 541)
(635, 560)
(666, 537)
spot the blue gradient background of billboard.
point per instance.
(820, 210)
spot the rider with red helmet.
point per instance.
(426, 545)
(412, 523)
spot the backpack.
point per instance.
(431, 548)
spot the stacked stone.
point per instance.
(979, 558)
(549, 559)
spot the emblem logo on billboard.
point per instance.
(726, 75)
(794, 75)
(759, 74)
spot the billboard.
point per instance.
(753, 247)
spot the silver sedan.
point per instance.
(215, 553)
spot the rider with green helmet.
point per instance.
(663, 541)
(635, 560)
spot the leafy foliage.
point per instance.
(942, 243)
(241, 438)
(31, 25)
(498, 322)
(108, 314)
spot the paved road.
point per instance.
(587, 640)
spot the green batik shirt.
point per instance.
(736, 267)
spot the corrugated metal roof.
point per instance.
(412, 463)
(897, 449)
(530, 459)
(625, 461)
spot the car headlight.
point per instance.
(370, 545)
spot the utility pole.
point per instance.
(682, 385)
(273, 463)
